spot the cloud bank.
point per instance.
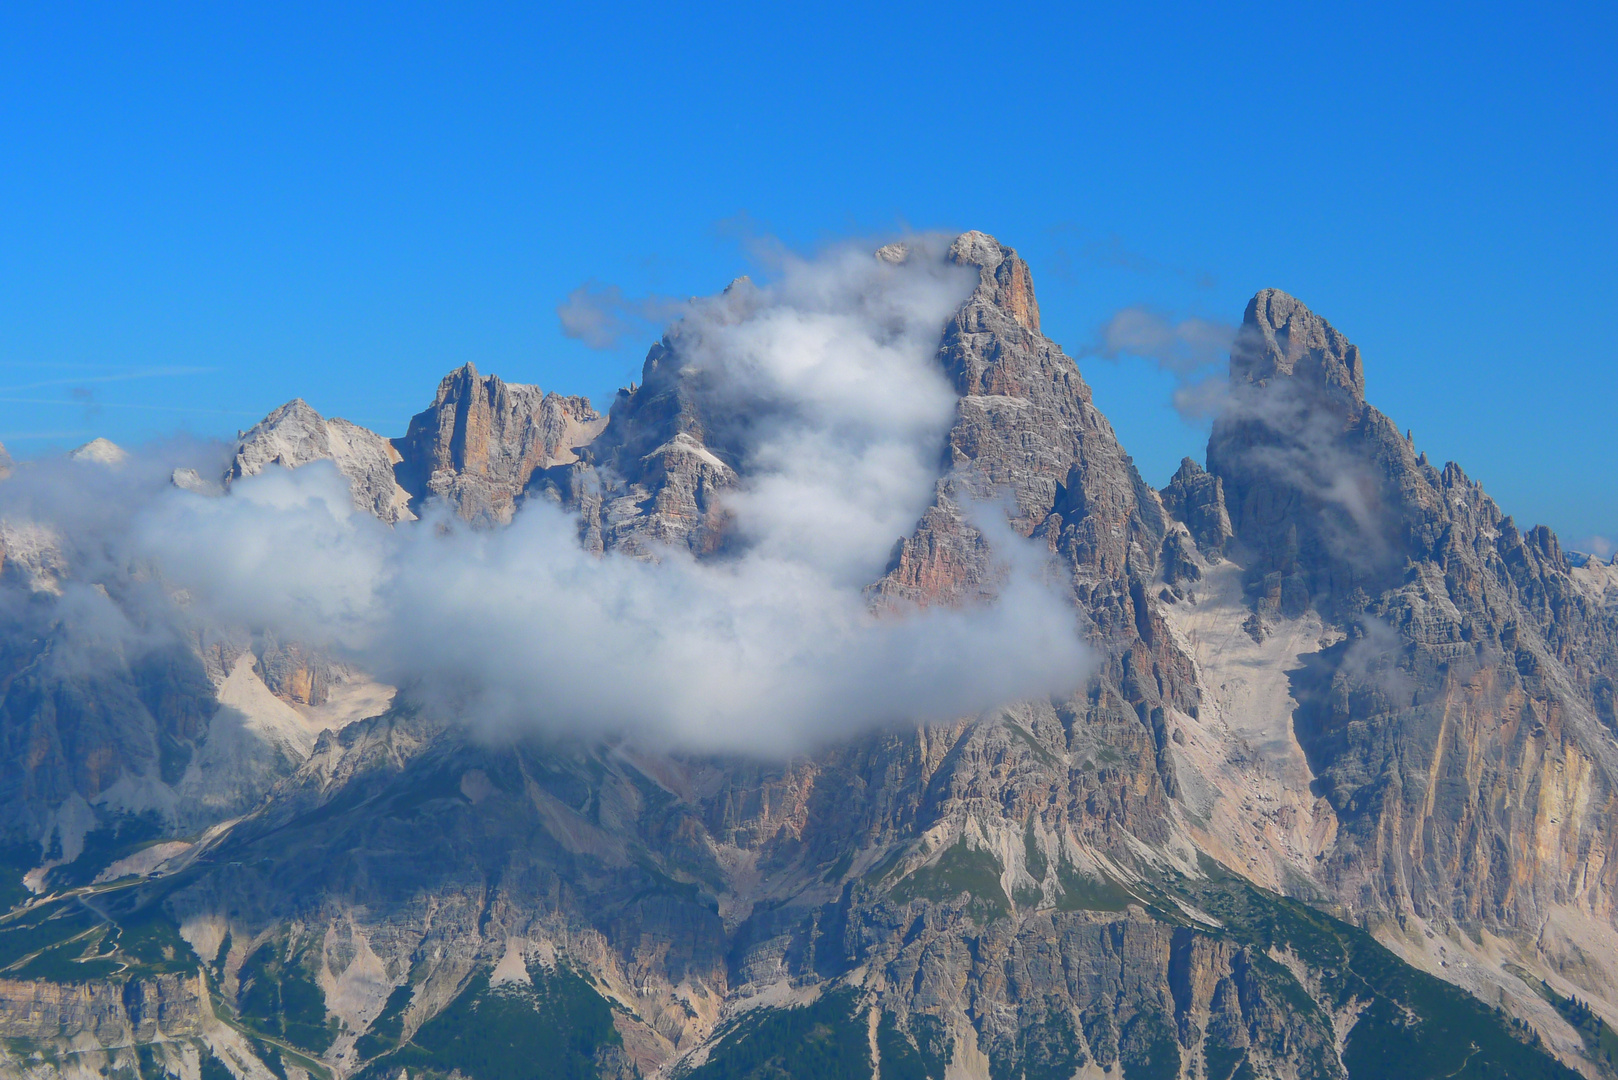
(824, 385)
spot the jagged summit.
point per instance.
(1470, 649)
(482, 439)
(1337, 671)
(1197, 498)
(1280, 337)
(475, 447)
(1008, 282)
(295, 435)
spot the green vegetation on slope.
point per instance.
(15, 861)
(71, 941)
(923, 1054)
(388, 1026)
(959, 870)
(1049, 1050)
(214, 1069)
(1599, 1038)
(116, 932)
(279, 998)
(509, 1032)
(1414, 1027)
(824, 1040)
(122, 835)
(1082, 893)
(1147, 1048)
(47, 926)
(149, 940)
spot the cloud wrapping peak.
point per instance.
(520, 628)
(826, 388)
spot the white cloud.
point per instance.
(826, 388)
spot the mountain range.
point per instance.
(1332, 793)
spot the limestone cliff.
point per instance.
(107, 1014)
(1327, 672)
(479, 442)
(1459, 720)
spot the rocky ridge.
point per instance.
(295, 435)
(1024, 893)
(482, 439)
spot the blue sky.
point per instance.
(206, 210)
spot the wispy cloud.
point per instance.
(120, 376)
(1179, 345)
(81, 402)
(824, 385)
(1600, 546)
(1112, 252)
(602, 317)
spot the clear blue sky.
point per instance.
(206, 210)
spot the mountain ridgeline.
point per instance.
(1336, 800)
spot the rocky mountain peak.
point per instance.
(1280, 337)
(1320, 662)
(482, 438)
(295, 435)
(1005, 280)
(1197, 498)
(1464, 640)
(101, 452)
(459, 381)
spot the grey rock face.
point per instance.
(293, 672)
(652, 478)
(78, 716)
(1026, 426)
(684, 883)
(31, 556)
(126, 727)
(104, 1013)
(1006, 882)
(295, 435)
(192, 481)
(1473, 679)
(1197, 499)
(792, 867)
(482, 439)
(1280, 338)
